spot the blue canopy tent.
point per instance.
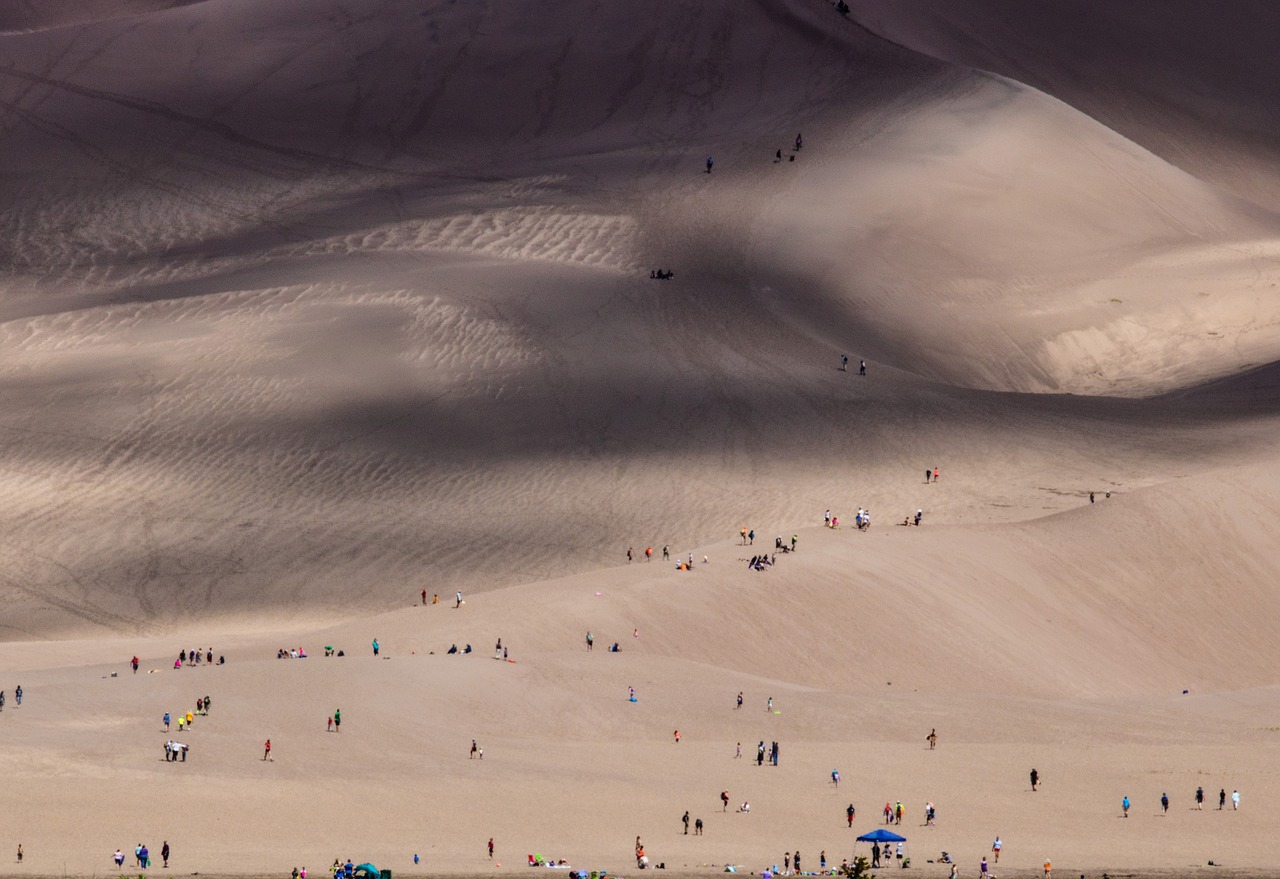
(878, 836)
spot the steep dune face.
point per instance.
(1194, 84)
(353, 298)
(999, 239)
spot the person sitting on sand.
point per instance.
(453, 648)
(745, 807)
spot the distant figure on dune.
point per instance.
(1199, 799)
(919, 516)
(666, 553)
(1124, 804)
(376, 647)
(590, 641)
(778, 157)
(844, 362)
(1222, 799)
(459, 600)
(697, 827)
(799, 142)
(1164, 804)
(266, 751)
(424, 598)
(932, 739)
(134, 662)
(739, 705)
(724, 801)
(849, 814)
(709, 164)
(927, 474)
(862, 367)
(630, 555)
(1035, 779)
(491, 846)
(935, 474)
(685, 819)
(1235, 800)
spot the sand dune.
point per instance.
(306, 307)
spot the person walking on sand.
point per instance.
(677, 735)
(375, 647)
(118, 857)
(709, 164)
(982, 869)
(1048, 868)
(134, 663)
(1035, 779)
(932, 738)
(474, 748)
(724, 801)
(424, 598)
(927, 474)
(648, 553)
(697, 827)
(1124, 804)
(769, 706)
(739, 705)
(329, 728)
(164, 854)
(590, 642)
(20, 853)
(935, 474)
(1164, 804)
(1222, 799)
(630, 555)
(17, 694)
(337, 720)
(995, 848)
(849, 812)
(166, 721)
(459, 600)
(1235, 800)
(844, 358)
(491, 847)
(266, 752)
(685, 819)
(666, 552)
(738, 752)
(1199, 799)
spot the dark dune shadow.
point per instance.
(39, 15)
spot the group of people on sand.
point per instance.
(142, 856)
(1199, 799)
(195, 657)
(291, 653)
(662, 274)
(844, 365)
(17, 696)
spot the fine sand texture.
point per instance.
(310, 307)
